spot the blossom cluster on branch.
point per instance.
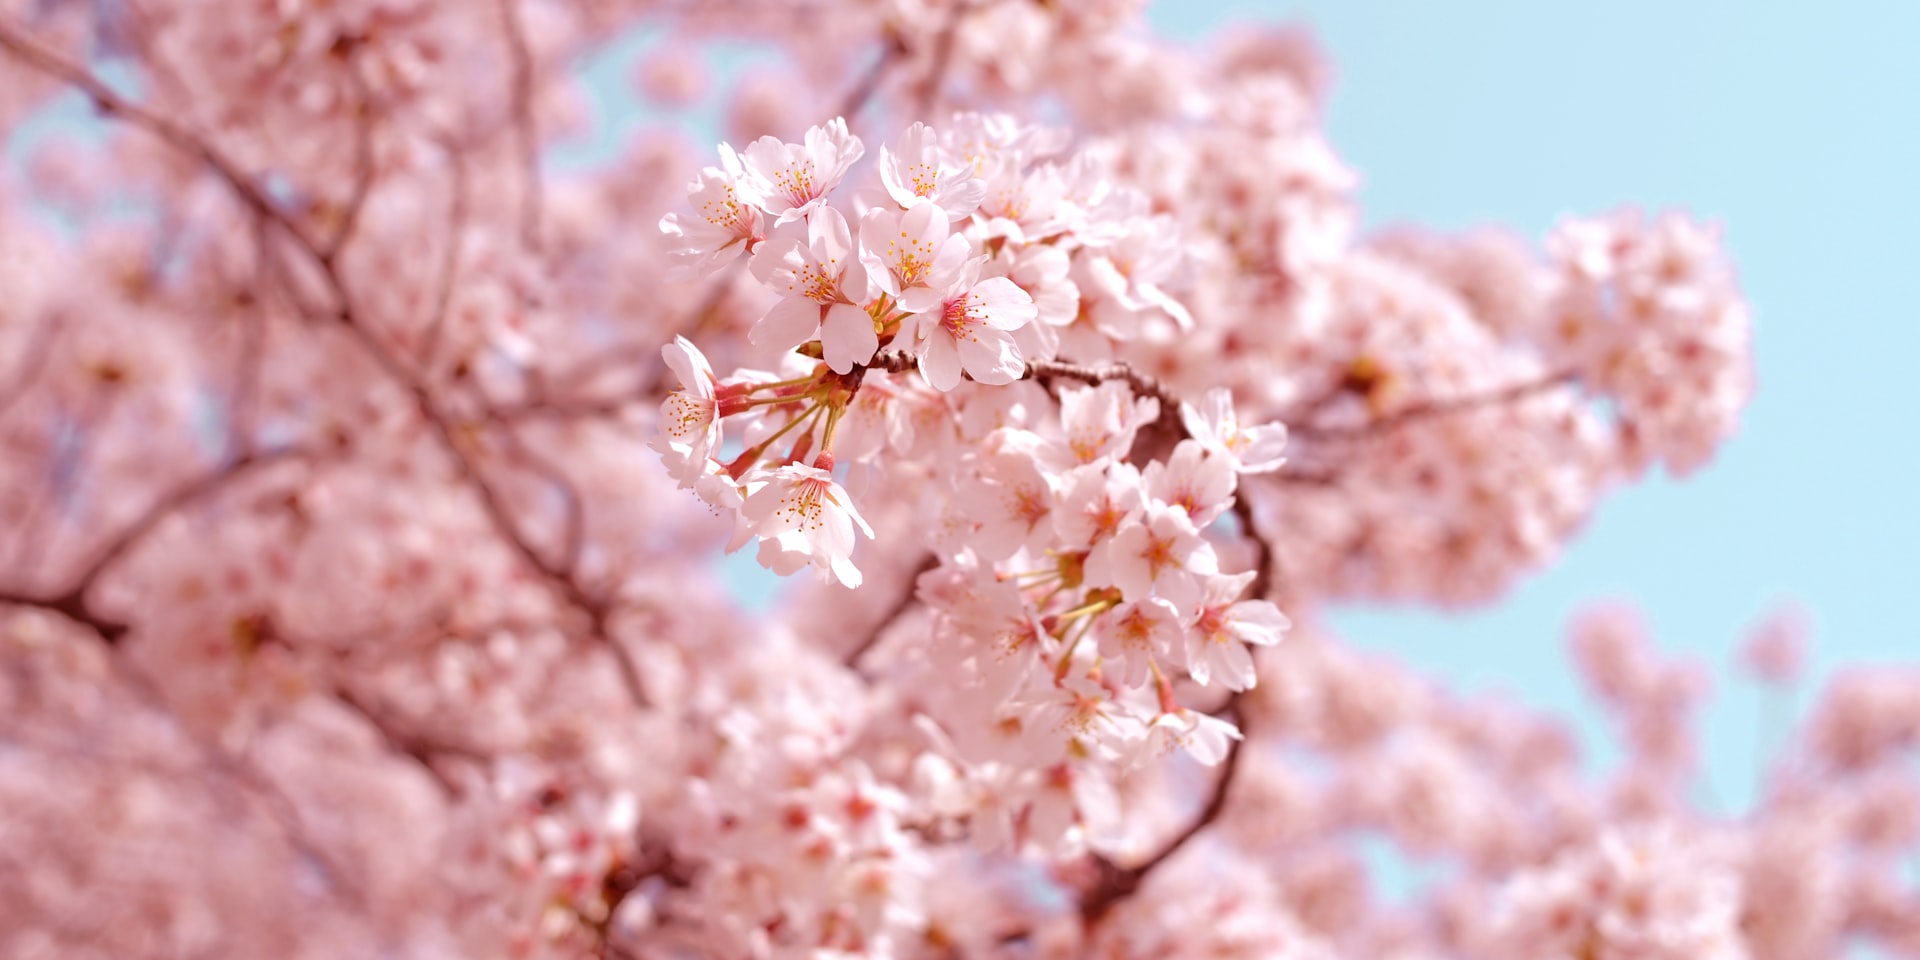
(363, 471)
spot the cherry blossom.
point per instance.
(1255, 449)
(802, 511)
(911, 255)
(348, 606)
(826, 289)
(968, 332)
(917, 168)
(790, 180)
(724, 224)
(1216, 640)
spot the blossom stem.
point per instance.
(751, 455)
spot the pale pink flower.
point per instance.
(970, 332)
(1125, 277)
(912, 254)
(823, 288)
(1013, 505)
(1217, 638)
(724, 224)
(1138, 633)
(991, 616)
(919, 169)
(1099, 423)
(1205, 738)
(1214, 424)
(1024, 207)
(1161, 554)
(986, 140)
(1193, 480)
(789, 180)
(1042, 271)
(1096, 501)
(811, 517)
(689, 423)
(1075, 716)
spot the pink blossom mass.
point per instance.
(365, 474)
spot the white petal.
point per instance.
(847, 337)
(790, 323)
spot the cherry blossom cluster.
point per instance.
(364, 470)
(971, 252)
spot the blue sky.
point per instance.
(1798, 130)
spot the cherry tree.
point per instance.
(363, 476)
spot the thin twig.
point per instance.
(449, 258)
(573, 524)
(1118, 883)
(69, 606)
(1262, 550)
(526, 132)
(1429, 409)
(343, 313)
(180, 498)
(419, 749)
(869, 84)
(905, 602)
(38, 56)
(364, 169)
(250, 354)
(942, 59)
(73, 603)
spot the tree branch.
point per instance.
(449, 259)
(1429, 409)
(362, 160)
(869, 83)
(1117, 883)
(493, 506)
(72, 602)
(908, 597)
(942, 59)
(526, 132)
(39, 57)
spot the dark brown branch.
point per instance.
(250, 354)
(573, 523)
(179, 499)
(1116, 883)
(900, 361)
(1429, 409)
(69, 605)
(1262, 583)
(492, 504)
(419, 749)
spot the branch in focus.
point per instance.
(1117, 883)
